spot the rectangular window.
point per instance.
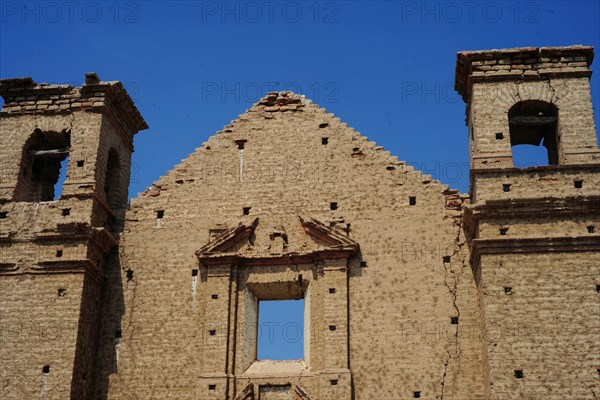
(280, 329)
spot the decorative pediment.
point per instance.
(300, 394)
(334, 238)
(227, 240)
(247, 393)
(307, 239)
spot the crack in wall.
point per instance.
(453, 290)
(131, 302)
(554, 98)
(71, 123)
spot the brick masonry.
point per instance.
(435, 294)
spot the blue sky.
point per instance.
(281, 330)
(384, 67)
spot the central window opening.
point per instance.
(280, 329)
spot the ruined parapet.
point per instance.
(68, 121)
(25, 96)
(527, 63)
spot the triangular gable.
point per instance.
(273, 106)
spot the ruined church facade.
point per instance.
(411, 289)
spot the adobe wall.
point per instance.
(401, 339)
(535, 247)
(39, 328)
(545, 324)
(52, 250)
(411, 289)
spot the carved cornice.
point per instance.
(99, 237)
(467, 71)
(481, 247)
(108, 98)
(59, 266)
(98, 241)
(226, 240)
(286, 258)
(533, 173)
(512, 171)
(528, 209)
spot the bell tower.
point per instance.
(65, 167)
(534, 229)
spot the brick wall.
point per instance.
(401, 338)
(432, 296)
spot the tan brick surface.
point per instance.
(447, 297)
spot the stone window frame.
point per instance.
(254, 293)
(225, 272)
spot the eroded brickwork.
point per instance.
(535, 249)
(53, 248)
(392, 317)
(411, 289)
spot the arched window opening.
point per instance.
(533, 133)
(43, 166)
(111, 181)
